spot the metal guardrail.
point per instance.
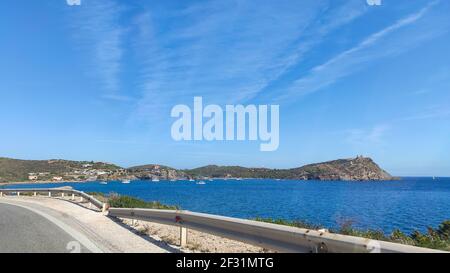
(271, 236)
(54, 192)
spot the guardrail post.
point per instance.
(90, 205)
(73, 196)
(49, 194)
(105, 207)
(81, 198)
(62, 195)
(183, 236)
(18, 193)
(34, 194)
(1, 194)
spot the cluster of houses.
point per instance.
(90, 172)
(76, 175)
(45, 175)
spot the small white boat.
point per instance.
(126, 181)
(173, 180)
(191, 180)
(201, 183)
(155, 180)
(239, 179)
(210, 179)
(104, 183)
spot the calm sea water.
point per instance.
(409, 204)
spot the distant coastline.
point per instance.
(41, 182)
(56, 170)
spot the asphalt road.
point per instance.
(24, 231)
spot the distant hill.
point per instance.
(16, 170)
(151, 171)
(233, 171)
(150, 167)
(359, 168)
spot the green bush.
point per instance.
(123, 201)
(95, 194)
(435, 238)
(398, 236)
(444, 230)
(132, 202)
(296, 223)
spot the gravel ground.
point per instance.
(197, 241)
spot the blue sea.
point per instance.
(409, 204)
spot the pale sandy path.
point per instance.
(95, 231)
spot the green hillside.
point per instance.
(16, 170)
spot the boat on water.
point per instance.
(239, 179)
(155, 180)
(201, 183)
(173, 180)
(191, 180)
(104, 183)
(126, 181)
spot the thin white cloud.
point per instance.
(354, 59)
(314, 35)
(226, 51)
(96, 30)
(421, 91)
(118, 98)
(431, 113)
(367, 137)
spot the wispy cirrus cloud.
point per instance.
(367, 136)
(375, 135)
(120, 98)
(434, 112)
(378, 45)
(329, 20)
(227, 51)
(96, 29)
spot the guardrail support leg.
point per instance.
(18, 193)
(183, 236)
(49, 194)
(1, 194)
(73, 196)
(90, 205)
(62, 195)
(81, 198)
(34, 194)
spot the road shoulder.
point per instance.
(95, 231)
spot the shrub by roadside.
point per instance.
(438, 238)
(123, 201)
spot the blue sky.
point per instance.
(98, 81)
